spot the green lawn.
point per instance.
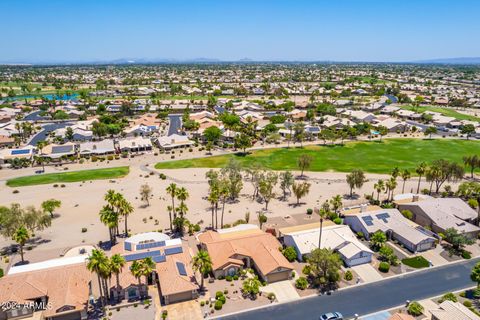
(370, 156)
(72, 176)
(416, 262)
(448, 112)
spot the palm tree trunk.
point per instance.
(100, 289)
(213, 214)
(223, 211)
(403, 187)
(418, 186)
(21, 252)
(170, 216)
(216, 215)
(320, 235)
(126, 225)
(201, 281)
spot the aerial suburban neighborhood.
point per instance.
(236, 188)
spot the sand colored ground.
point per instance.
(81, 202)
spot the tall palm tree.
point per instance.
(472, 162)
(223, 193)
(109, 218)
(202, 263)
(421, 170)
(97, 262)
(125, 209)
(172, 191)
(117, 262)
(170, 209)
(182, 209)
(147, 267)
(213, 199)
(182, 195)
(336, 203)
(136, 270)
(405, 174)
(21, 237)
(379, 187)
(323, 212)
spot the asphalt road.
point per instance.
(175, 124)
(373, 297)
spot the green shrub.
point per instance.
(466, 254)
(271, 296)
(309, 211)
(407, 214)
(360, 235)
(84, 230)
(337, 220)
(218, 305)
(301, 283)
(415, 309)
(467, 303)
(448, 296)
(229, 278)
(307, 269)
(384, 267)
(289, 253)
(222, 299)
(235, 277)
(1, 273)
(202, 303)
(15, 191)
(348, 275)
(218, 294)
(110, 158)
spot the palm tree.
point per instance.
(420, 170)
(21, 236)
(213, 199)
(170, 209)
(172, 191)
(109, 218)
(202, 263)
(117, 262)
(472, 162)
(391, 185)
(182, 194)
(336, 203)
(223, 193)
(323, 212)
(97, 262)
(405, 174)
(125, 209)
(379, 187)
(136, 270)
(147, 267)
(182, 209)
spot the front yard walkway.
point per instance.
(367, 272)
(283, 290)
(427, 305)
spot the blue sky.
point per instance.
(340, 30)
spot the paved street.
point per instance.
(175, 124)
(373, 297)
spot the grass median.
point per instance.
(70, 176)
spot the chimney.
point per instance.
(415, 198)
(363, 208)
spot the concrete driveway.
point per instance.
(188, 310)
(283, 290)
(367, 272)
(434, 256)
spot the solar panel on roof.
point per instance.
(159, 259)
(383, 216)
(142, 255)
(150, 245)
(174, 250)
(62, 149)
(20, 151)
(368, 220)
(181, 268)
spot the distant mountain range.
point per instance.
(462, 60)
(122, 61)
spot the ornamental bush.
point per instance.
(415, 309)
(384, 267)
(301, 283)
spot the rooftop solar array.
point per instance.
(181, 268)
(383, 216)
(62, 149)
(150, 245)
(20, 151)
(368, 220)
(142, 255)
(174, 250)
(159, 259)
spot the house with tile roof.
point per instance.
(245, 246)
